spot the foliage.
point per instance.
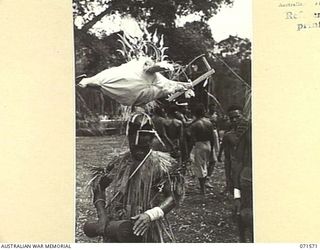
(234, 46)
(181, 44)
(93, 55)
(189, 41)
(162, 12)
(231, 58)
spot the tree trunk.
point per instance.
(94, 20)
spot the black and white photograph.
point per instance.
(163, 121)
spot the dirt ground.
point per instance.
(197, 220)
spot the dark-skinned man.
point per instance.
(139, 187)
(202, 137)
(163, 143)
(241, 170)
(174, 130)
(181, 114)
(225, 148)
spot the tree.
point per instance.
(187, 42)
(231, 58)
(184, 43)
(162, 12)
(234, 46)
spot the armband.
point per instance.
(236, 193)
(155, 213)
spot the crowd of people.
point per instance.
(138, 188)
(188, 140)
(135, 191)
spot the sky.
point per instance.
(230, 20)
(234, 20)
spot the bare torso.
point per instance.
(158, 123)
(201, 130)
(173, 128)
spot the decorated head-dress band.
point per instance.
(148, 131)
(145, 120)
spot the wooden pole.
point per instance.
(194, 83)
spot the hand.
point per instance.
(94, 229)
(142, 224)
(101, 228)
(79, 78)
(187, 85)
(237, 206)
(82, 84)
(180, 88)
(189, 93)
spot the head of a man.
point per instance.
(198, 111)
(158, 111)
(140, 135)
(171, 110)
(235, 115)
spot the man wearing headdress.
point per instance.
(140, 186)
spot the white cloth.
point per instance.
(200, 157)
(129, 84)
(236, 193)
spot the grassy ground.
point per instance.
(197, 220)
